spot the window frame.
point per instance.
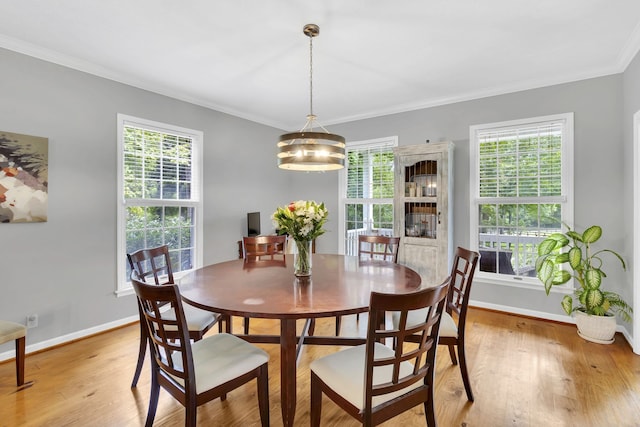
(123, 287)
(566, 199)
(391, 142)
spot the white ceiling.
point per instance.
(250, 58)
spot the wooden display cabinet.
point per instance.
(422, 208)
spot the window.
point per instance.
(366, 192)
(521, 190)
(159, 193)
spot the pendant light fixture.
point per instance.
(309, 150)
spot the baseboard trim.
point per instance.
(523, 312)
(65, 339)
(542, 315)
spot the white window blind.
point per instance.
(158, 165)
(521, 162)
(368, 174)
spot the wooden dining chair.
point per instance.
(260, 248)
(11, 331)
(200, 372)
(372, 382)
(153, 265)
(378, 247)
(374, 247)
(264, 247)
(453, 327)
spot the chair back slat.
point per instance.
(378, 247)
(422, 357)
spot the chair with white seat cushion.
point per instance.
(200, 372)
(452, 332)
(10, 331)
(153, 265)
(374, 383)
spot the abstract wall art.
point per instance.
(24, 178)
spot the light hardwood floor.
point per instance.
(524, 372)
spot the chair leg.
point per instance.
(246, 326)
(191, 412)
(229, 324)
(312, 327)
(429, 410)
(20, 355)
(338, 322)
(316, 401)
(452, 353)
(226, 319)
(263, 395)
(141, 353)
(464, 371)
(153, 397)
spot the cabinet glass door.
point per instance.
(421, 186)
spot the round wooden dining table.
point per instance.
(339, 285)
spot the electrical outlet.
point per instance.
(32, 321)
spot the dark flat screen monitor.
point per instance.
(253, 224)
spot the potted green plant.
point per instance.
(595, 308)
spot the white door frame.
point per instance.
(636, 233)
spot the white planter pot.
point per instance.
(598, 329)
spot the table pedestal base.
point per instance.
(288, 364)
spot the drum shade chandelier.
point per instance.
(309, 150)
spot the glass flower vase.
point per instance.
(302, 258)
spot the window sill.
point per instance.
(519, 282)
